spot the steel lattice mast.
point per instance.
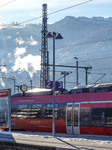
(44, 75)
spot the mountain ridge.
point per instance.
(83, 37)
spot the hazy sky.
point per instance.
(22, 10)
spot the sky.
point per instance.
(24, 10)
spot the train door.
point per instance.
(73, 118)
(76, 118)
(69, 118)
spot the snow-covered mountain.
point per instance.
(88, 39)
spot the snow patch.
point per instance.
(19, 41)
(9, 37)
(32, 41)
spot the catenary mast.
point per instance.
(44, 75)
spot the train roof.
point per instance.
(33, 92)
(103, 87)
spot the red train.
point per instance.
(80, 111)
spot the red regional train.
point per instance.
(85, 110)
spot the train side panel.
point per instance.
(38, 125)
(95, 113)
(96, 118)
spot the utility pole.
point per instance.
(31, 83)
(76, 69)
(86, 69)
(65, 73)
(14, 82)
(18, 86)
(55, 36)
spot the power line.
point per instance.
(102, 69)
(97, 59)
(94, 59)
(75, 54)
(98, 52)
(72, 45)
(59, 10)
(104, 40)
(69, 7)
(69, 50)
(49, 14)
(7, 3)
(85, 54)
(103, 51)
(67, 47)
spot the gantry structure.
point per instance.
(44, 74)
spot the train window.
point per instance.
(69, 111)
(51, 105)
(23, 112)
(62, 112)
(76, 111)
(22, 106)
(109, 117)
(98, 117)
(14, 111)
(36, 111)
(48, 111)
(36, 105)
(85, 117)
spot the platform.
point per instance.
(44, 141)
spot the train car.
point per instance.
(80, 111)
